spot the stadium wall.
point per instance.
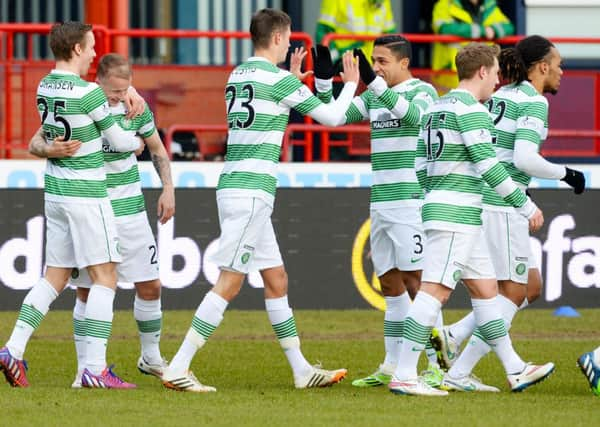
(321, 221)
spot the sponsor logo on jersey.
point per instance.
(387, 124)
(385, 121)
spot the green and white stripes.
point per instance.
(202, 328)
(122, 174)
(79, 327)
(69, 104)
(454, 159)
(520, 113)
(416, 332)
(148, 326)
(393, 141)
(30, 315)
(258, 98)
(286, 329)
(97, 328)
(491, 331)
(393, 329)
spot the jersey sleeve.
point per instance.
(476, 131)
(358, 109)
(529, 134)
(421, 163)
(291, 92)
(95, 105)
(147, 125)
(324, 89)
(409, 112)
(531, 123)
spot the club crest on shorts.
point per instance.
(521, 268)
(245, 257)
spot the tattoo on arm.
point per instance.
(38, 147)
(163, 169)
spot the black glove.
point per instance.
(323, 66)
(575, 179)
(367, 75)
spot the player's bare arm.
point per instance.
(134, 102)
(162, 165)
(59, 148)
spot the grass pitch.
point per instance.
(243, 360)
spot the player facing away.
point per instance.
(258, 98)
(454, 158)
(80, 225)
(136, 239)
(520, 113)
(394, 106)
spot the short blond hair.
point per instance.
(474, 56)
(113, 64)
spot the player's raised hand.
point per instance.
(62, 148)
(134, 102)
(366, 71)
(296, 59)
(350, 73)
(166, 205)
(536, 221)
(323, 64)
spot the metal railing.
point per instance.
(20, 120)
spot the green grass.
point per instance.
(255, 387)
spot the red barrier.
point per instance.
(436, 38)
(594, 151)
(290, 139)
(20, 118)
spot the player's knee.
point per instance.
(148, 291)
(534, 292)
(276, 282)
(388, 288)
(412, 286)
(82, 294)
(534, 285)
(392, 283)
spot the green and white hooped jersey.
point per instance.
(122, 174)
(393, 143)
(258, 98)
(519, 113)
(454, 157)
(71, 107)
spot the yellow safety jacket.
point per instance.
(354, 17)
(450, 18)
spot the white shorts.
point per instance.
(138, 249)
(452, 256)
(396, 242)
(79, 235)
(247, 241)
(507, 234)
